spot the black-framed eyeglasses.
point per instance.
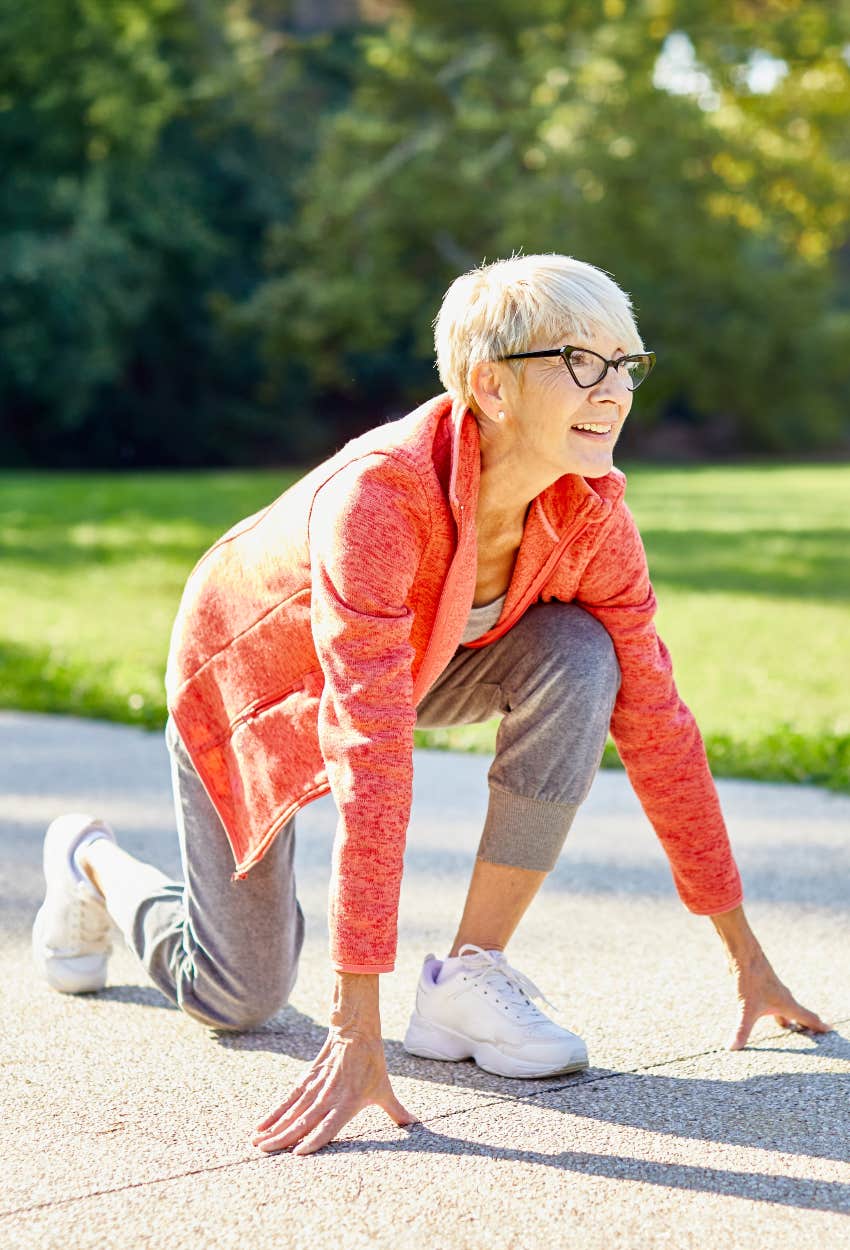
(587, 367)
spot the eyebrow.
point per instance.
(623, 351)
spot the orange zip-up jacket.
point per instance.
(308, 634)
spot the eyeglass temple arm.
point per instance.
(559, 351)
(554, 351)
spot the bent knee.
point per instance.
(235, 1008)
(597, 649)
(581, 644)
(243, 1019)
(237, 1015)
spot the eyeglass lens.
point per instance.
(589, 368)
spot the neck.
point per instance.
(507, 486)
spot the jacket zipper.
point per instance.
(572, 533)
(429, 646)
(258, 706)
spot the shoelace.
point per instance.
(491, 964)
(87, 922)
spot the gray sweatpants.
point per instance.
(210, 944)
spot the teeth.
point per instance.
(594, 429)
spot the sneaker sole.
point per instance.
(432, 1041)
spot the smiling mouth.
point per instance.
(593, 429)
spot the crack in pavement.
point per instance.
(443, 1115)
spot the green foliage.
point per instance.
(223, 239)
(141, 174)
(541, 128)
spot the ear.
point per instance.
(487, 387)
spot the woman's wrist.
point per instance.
(741, 943)
(355, 1007)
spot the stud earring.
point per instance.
(501, 415)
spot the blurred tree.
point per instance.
(226, 225)
(145, 147)
(478, 129)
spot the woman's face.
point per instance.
(551, 413)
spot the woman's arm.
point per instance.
(656, 734)
(368, 527)
(760, 992)
(664, 755)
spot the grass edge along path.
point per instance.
(93, 565)
(781, 755)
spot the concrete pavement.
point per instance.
(125, 1124)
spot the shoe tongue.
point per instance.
(473, 958)
(491, 966)
(450, 967)
(516, 987)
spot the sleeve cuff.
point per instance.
(363, 969)
(717, 911)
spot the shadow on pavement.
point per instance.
(786, 1112)
(137, 995)
(767, 1187)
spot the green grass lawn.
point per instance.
(750, 564)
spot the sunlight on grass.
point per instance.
(749, 563)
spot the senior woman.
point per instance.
(472, 558)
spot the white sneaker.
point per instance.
(71, 934)
(483, 1011)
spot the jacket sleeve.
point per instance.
(369, 525)
(655, 733)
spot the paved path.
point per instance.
(126, 1125)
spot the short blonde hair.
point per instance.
(506, 306)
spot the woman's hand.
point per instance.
(348, 1074)
(760, 992)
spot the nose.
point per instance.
(613, 389)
